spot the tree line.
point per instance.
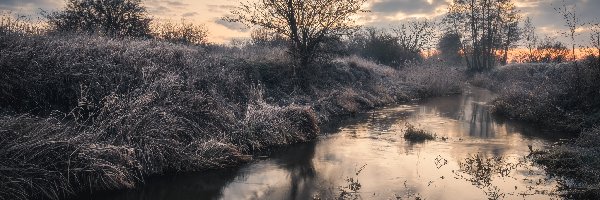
(476, 33)
(121, 18)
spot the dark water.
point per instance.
(476, 156)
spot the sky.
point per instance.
(384, 13)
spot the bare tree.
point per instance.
(595, 37)
(572, 22)
(487, 25)
(107, 17)
(510, 32)
(416, 36)
(269, 38)
(307, 23)
(529, 37)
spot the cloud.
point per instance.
(30, 6)
(220, 8)
(407, 7)
(176, 3)
(232, 25)
(189, 14)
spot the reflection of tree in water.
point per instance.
(480, 170)
(483, 169)
(481, 123)
(298, 163)
(185, 186)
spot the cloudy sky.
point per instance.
(383, 12)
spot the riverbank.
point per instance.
(84, 113)
(565, 97)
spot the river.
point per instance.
(476, 155)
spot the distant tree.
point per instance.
(595, 38)
(381, 46)
(107, 17)
(449, 47)
(529, 37)
(488, 27)
(416, 35)
(551, 51)
(182, 32)
(572, 22)
(510, 32)
(305, 23)
(266, 37)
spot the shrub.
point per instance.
(434, 79)
(381, 47)
(182, 33)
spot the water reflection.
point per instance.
(480, 157)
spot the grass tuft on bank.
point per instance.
(414, 134)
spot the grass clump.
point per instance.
(414, 134)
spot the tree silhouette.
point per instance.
(449, 47)
(572, 22)
(106, 17)
(529, 37)
(306, 23)
(488, 26)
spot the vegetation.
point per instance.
(105, 96)
(182, 32)
(487, 27)
(578, 161)
(565, 93)
(306, 24)
(449, 47)
(414, 134)
(567, 96)
(382, 47)
(106, 17)
(88, 112)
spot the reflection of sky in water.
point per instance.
(392, 167)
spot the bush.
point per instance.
(381, 47)
(434, 79)
(182, 33)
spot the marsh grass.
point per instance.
(414, 134)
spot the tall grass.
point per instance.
(93, 113)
